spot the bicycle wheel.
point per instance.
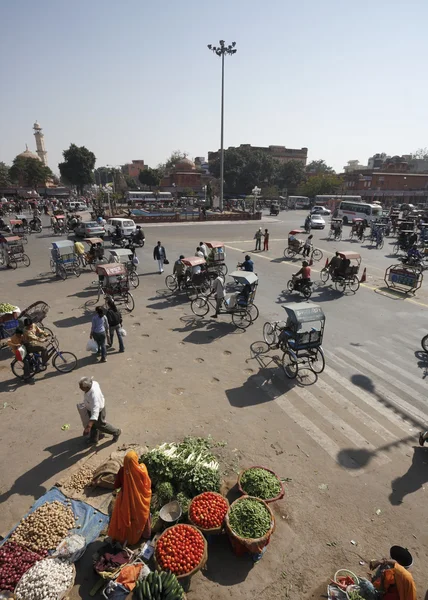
(12, 263)
(289, 364)
(26, 260)
(46, 330)
(338, 237)
(171, 282)
(223, 270)
(317, 254)
(76, 269)
(241, 319)
(424, 343)
(17, 367)
(200, 306)
(354, 284)
(61, 272)
(324, 275)
(24, 239)
(330, 234)
(269, 334)
(52, 266)
(317, 361)
(128, 301)
(134, 280)
(289, 253)
(1, 258)
(380, 245)
(340, 285)
(64, 362)
(396, 249)
(351, 234)
(192, 292)
(253, 311)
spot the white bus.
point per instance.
(299, 202)
(332, 199)
(143, 196)
(349, 210)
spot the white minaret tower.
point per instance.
(40, 143)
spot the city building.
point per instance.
(388, 186)
(353, 165)
(279, 153)
(183, 176)
(40, 144)
(133, 169)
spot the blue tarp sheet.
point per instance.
(91, 520)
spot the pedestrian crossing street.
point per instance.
(365, 407)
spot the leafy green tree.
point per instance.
(320, 184)
(290, 175)
(29, 171)
(244, 168)
(318, 167)
(4, 175)
(149, 177)
(79, 162)
(174, 158)
(131, 183)
(270, 191)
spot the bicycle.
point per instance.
(271, 332)
(242, 316)
(64, 362)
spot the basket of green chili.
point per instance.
(262, 483)
(249, 524)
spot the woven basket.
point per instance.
(214, 530)
(268, 500)
(200, 566)
(253, 546)
(36, 311)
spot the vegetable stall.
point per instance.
(187, 509)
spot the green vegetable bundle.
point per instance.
(165, 493)
(158, 586)
(184, 502)
(260, 483)
(249, 518)
(6, 308)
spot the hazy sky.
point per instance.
(132, 79)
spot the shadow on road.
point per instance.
(413, 480)
(422, 362)
(358, 458)
(205, 331)
(72, 321)
(42, 279)
(226, 571)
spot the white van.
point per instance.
(77, 206)
(127, 226)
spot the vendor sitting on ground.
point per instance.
(130, 520)
(393, 580)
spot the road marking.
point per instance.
(396, 369)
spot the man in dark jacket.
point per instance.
(159, 254)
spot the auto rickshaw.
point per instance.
(345, 275)
(12, 252)
(295, 246)
(357, 229)
(113, 282)
(301, 338)
(239, 304)
(95, 254)
(63, 259)
(195, 280)
(125, 257)
(335, 229)
(58, 224)
(274, 209)
(216, 256)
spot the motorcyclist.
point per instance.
(118, 235)
(303, 275)
(139, 235)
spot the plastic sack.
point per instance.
(92, 346)
(20, 352)
(71, 549)
(122, 332)
(83, 412)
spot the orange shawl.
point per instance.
(132, 509)
(405, 583)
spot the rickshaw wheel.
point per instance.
(134, 279)
(24, 239)
(53, 266)
(128, 301)
(380, 245)
(340, 285)
(289, 253)
(242, 319)
(324, 275)
(65, 362)
(269, 334)
(46, 330)
(351, 234)
(338, 237)
(192, 292)
(317, 361)
(396, 249)
(92, 265)
(424, 343)
(289, 364)
(253, 311)
(171, 282)
(17, 367)
(354, 284)
(26, 260)
(76, 269)
(317, 254)
(61, 272)
(223, 270)
(200, 306)
(13, 264)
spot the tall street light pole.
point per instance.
(222, 51)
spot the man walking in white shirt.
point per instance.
(218, 290)
(94, 402)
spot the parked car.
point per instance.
(89, 229)
(317, 222)
(320, 210)
(127, 226)
(77, 206)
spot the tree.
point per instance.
(79, 162)
(421, 153)
(4, 175)
(131, 183)
(149, 177)
(318, 167)
(29, 171)
(176, 156)
(244, 168)
(320, 184)
(290, 175)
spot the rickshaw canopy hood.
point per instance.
(93, 240)
(357, 220)
(214, 244)
(121, 253)
(303, 312)
(10, 240)
(244, 277)
(20, 217)
(350, 255)
(60, 244)
(59, 216)
(111, 269)
(15, 221)
(340, 220)
(193, 261)
(294, 231)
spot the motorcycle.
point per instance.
(134, 240)
(413, 261)
(120, 242)
(304, 286)
(35, 225)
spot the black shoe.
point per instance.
(213, 316)
(123, 350)
(117, 435)
(421, 439)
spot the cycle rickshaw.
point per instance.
(216, 256)
(345, 275)
(404, 242)
(240, 305)
(125, 256)
(377, 235)
(95, 254)
(196, 279)
(12, 252)
(335, 229)
(295, 246)
(113, 281)
(58, 224)
(301, 338)
(19, 227)
(63, 259)
(357, 229)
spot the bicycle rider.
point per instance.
(33, 341)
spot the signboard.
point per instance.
(405, 279)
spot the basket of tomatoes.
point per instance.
(181, 549)
(207, 512)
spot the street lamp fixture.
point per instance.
(222, 50)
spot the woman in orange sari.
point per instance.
(131, 513)
(393, 580)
